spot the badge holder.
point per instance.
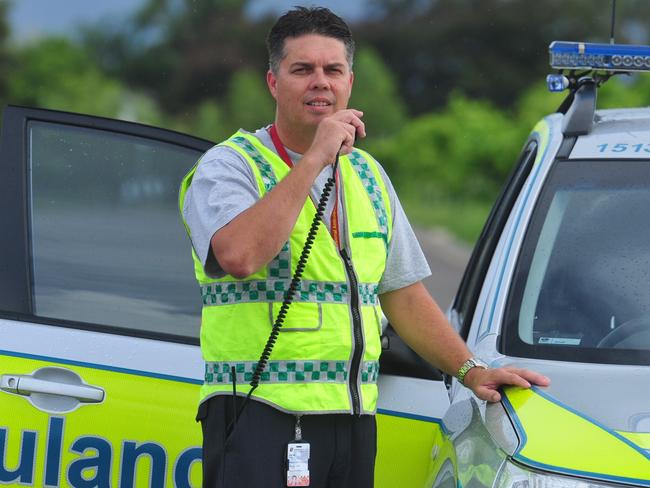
(298, 459)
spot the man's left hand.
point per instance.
(485, 382)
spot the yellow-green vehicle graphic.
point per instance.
(112, 442)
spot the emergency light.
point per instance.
(557, 83)
(602, 57)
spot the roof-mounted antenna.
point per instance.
(611, 36)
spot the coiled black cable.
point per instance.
(290, 293)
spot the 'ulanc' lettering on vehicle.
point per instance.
(99, 464)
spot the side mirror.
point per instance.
(400, 360)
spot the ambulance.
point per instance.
(99, 312)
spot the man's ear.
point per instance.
(271, 82)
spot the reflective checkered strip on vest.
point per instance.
(289, 372)
(326, 356)
(275, 290)
(280, 266)
(374, 192)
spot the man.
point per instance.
(248, 206)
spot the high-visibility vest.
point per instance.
(326, 358)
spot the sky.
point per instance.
(30, 19)
(34, 18)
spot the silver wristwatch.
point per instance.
(467, 365)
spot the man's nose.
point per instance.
(319, 80)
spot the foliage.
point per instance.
(463, 151)
(624, 92)
(54, 73)
(462, 218)
(250, 105)
(5, 59)
(183, 52)
(207, 121)
(533, 104)
(485, 48)
(447, 119)
(375, 92)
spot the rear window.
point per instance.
(581, 290)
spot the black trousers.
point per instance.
(343, 447)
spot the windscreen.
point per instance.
(581, 290)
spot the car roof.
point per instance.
(621, 120)
(615, 134)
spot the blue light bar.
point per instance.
(604, 57)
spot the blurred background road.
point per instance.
(447, 257)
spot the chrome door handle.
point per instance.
(52, 389)
(23, 384)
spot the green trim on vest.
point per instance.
(371, 235)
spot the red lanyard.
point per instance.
(282, 152)
(279, 147)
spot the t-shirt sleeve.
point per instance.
(223, 186)
(405, 263)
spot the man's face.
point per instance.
(313, 81)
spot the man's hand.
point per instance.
(421, 324)
(485, 382)
(256, 235)
(335, 134)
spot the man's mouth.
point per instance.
(319, 103)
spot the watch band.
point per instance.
(467, 365)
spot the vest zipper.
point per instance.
(357, 347)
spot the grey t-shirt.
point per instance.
(224, 185)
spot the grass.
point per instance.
(463, 219)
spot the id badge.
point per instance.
(298, 464)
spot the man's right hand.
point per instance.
(256, 235)
(335, 135)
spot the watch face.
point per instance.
(480, 362)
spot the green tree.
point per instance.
(533, 104)
(250, 105)
(182, 53)
(57, 74)
(210, 122)
(376, 93)
(490, 49)
(623, 92)
(4, 52)
(449, 165)
(463, 151)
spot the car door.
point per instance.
(99, 311)
(99, 317)
(412, 448)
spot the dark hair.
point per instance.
(301, 21)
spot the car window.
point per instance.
(106, 240)
(581, 285)
(472, 282)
